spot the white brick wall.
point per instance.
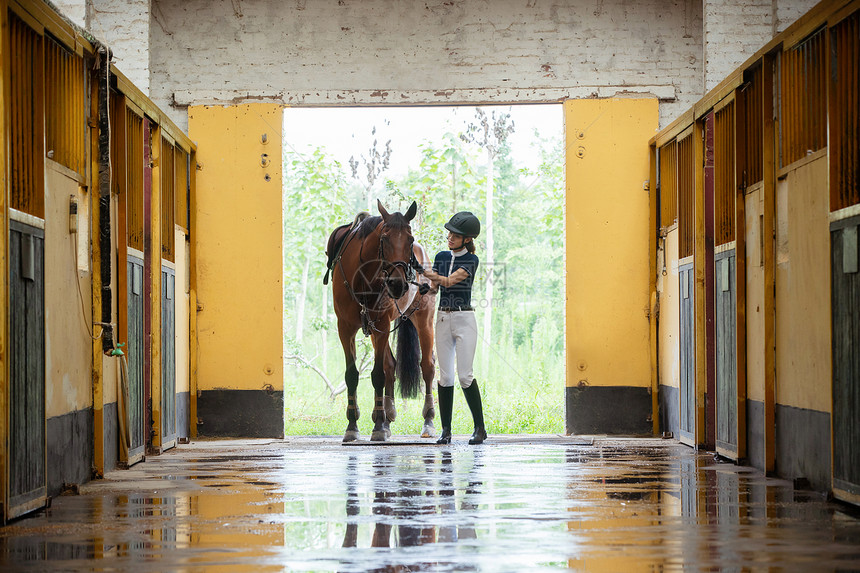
(438, 51)
(787, 11)
(733, 31)
(74, 10)
(124, 26)
(387, 52)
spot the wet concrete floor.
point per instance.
(517, 503)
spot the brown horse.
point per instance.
(375, 286)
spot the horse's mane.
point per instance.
(367, 226)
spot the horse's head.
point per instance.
(395, 249)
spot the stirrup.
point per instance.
(478, 436)
(445, 437)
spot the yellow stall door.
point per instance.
(238, 238)
(608, 298)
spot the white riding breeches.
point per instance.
(456, 342)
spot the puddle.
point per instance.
(506, 507)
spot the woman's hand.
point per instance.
(434, 277)
(437, 279)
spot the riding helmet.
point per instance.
(464, 223)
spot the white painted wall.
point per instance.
(787, 11)
(733, 31)
(435, 52)
(74, 10)
(68, 311)
(124, 25)
(388, 52)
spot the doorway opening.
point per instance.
(503, 163)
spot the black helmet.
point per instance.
(464, 223)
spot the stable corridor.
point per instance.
(517, 503)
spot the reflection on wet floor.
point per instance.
(511, 505)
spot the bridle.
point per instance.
(389, 266)
(368, 325)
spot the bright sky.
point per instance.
(346, 132)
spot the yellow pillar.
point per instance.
(192, 299)
(608, 299)
(239, 269)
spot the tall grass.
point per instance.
(522, 393)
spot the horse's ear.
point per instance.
(413, 209)
(382, 210)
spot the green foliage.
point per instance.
(523, 391)
(310, 411)
(447, 180)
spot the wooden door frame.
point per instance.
(708, 180)
(700, 258)
(153, 272)
(739, 286)
(5, 118)
(148, 415)
(740, 283)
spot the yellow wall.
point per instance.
(669, 359)
(239, 246)
(753, 210)
(68, 347)
(803, 351)
(181, 297)
(607, 259)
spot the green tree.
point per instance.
(315, 201)
(375, 162)
(444, 181)
(489, 132)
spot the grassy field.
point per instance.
(509, 408)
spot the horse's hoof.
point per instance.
(350, 436)
(379, 435)
(429, 431)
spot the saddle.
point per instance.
(337, 240)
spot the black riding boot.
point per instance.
(446, 406)
(473, 399)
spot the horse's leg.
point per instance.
(347, 340)
(353, 506)
(389, 367)
(424, 325)
(379, 375)
(382, 506)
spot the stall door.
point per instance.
(686, 178)
(27, 477)
(728, 406)
(686, 274)
(726, 355)
(845, 284)
(845, 264)
(168, 357)
(136, 350)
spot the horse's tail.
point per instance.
(408, 359)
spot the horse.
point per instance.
(372, 264)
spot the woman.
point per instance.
(456, 328)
